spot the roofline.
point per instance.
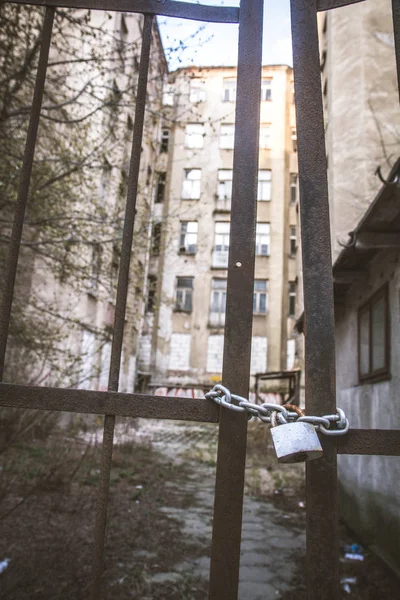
(394, 173)
(222, 67)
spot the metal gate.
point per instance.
(321, 475)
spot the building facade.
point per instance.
(367, 311)
(70, 285)
(183, 336)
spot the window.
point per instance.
(292, 298)
(156, 239)
(151, 293)
(164, 140)
(160, 191)
(225, 184)
(218, 302)
(293, 188)
(265, 136)
(95, 269)
(294, 139)
(266, 89)
(188, 237)
(373, 337)
(264, 185)
(191, 184)
(292, 240)
(197, 91)
(221, 249)
(168, 94)
(227, 137)
(194, 137)
(263, 239)
(229, 90)
(184, 294)
(260, 297)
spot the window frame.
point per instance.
(293, 182)
(384, 372)
(292, 241)
(184, 248)
(267, 127)
(229, 91)
(165, 138)
(292, 297)
(264, 184)
(225, 136)
(226, 183)
(185, 291)
(266, 86)
(260, 234)
(197, 94)
(217, 317)
(256, 298)
(195, 183)
(194, 136)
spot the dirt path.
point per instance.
(269, 537)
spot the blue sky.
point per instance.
(207, 44)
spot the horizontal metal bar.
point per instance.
(108, 403)
(166, 8)
(328, 4)
(384, 442)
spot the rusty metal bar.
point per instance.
(108, 403)
(23, 190)
(225, 553)
(321, 475)
(165, 8)
(396, 31)
(382, 442)
(120, 307)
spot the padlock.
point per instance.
(295, 442)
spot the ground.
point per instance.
(158, 544)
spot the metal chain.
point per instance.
(277, 414)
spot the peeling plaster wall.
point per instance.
(369, 485)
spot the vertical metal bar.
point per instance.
(120, 308)
(396, 30)
(321, 475)
(225, 554)
(24, 182)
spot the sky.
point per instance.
(210, 44)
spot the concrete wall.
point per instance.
(370, 484)
(361, 107)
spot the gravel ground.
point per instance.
(158, 544)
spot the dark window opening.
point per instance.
(164, 140)
(156, 239)
(184, 294)
(160, 192)
(151, 293)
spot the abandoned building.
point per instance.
(183, 335)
